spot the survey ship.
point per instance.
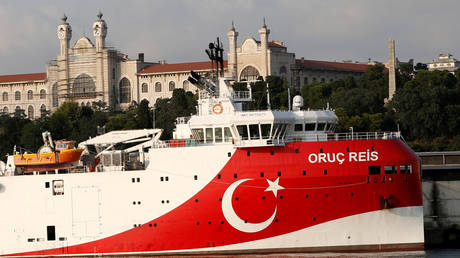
(230, 182)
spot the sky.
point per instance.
(180, 30)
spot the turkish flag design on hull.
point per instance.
(265, 192)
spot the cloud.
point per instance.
(180, 30)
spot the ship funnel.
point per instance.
(297, 103)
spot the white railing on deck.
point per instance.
(345, 136)
(289, 138)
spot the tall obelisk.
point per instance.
(391, 73)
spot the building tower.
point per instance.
(100, 32)
(232, 55)
(264, 32)
(392, 72)
(64, 34)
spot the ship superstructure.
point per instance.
(231, 181)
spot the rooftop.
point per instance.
(26, 77)
(179, 67)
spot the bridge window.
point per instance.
(405, 169)
(321, 126)
(209, 135)
(374, 170)
(389, 169)
(218, 134)
(254, 131)
(243, 131)
(265, 130)
(227, 134)
(310, 126)
(298, 127)
(198, 134)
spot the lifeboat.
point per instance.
(48, 157)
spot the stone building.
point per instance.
(444, 62)
(88, 72)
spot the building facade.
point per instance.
(87, 72)
(444, 62)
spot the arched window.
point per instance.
(145, 88)
(125, 91)
(5, 96)
(283, 70)
(249, 73)
(42, 94)
(172, 86)
(88, 104)
(186, 85)
(17, 95)
(305, 81)
(30, 94)
(83, 104)
(83, 86)
(158, 87)
(42, 108)
(323, 80)
(54, 93)
(30, 112)
(17, 109)
(5, 110)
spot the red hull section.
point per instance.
(317, 182)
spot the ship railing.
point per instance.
(244, 142)
(176, 143)
(241, 95)
(182, 120)
(345, 136)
